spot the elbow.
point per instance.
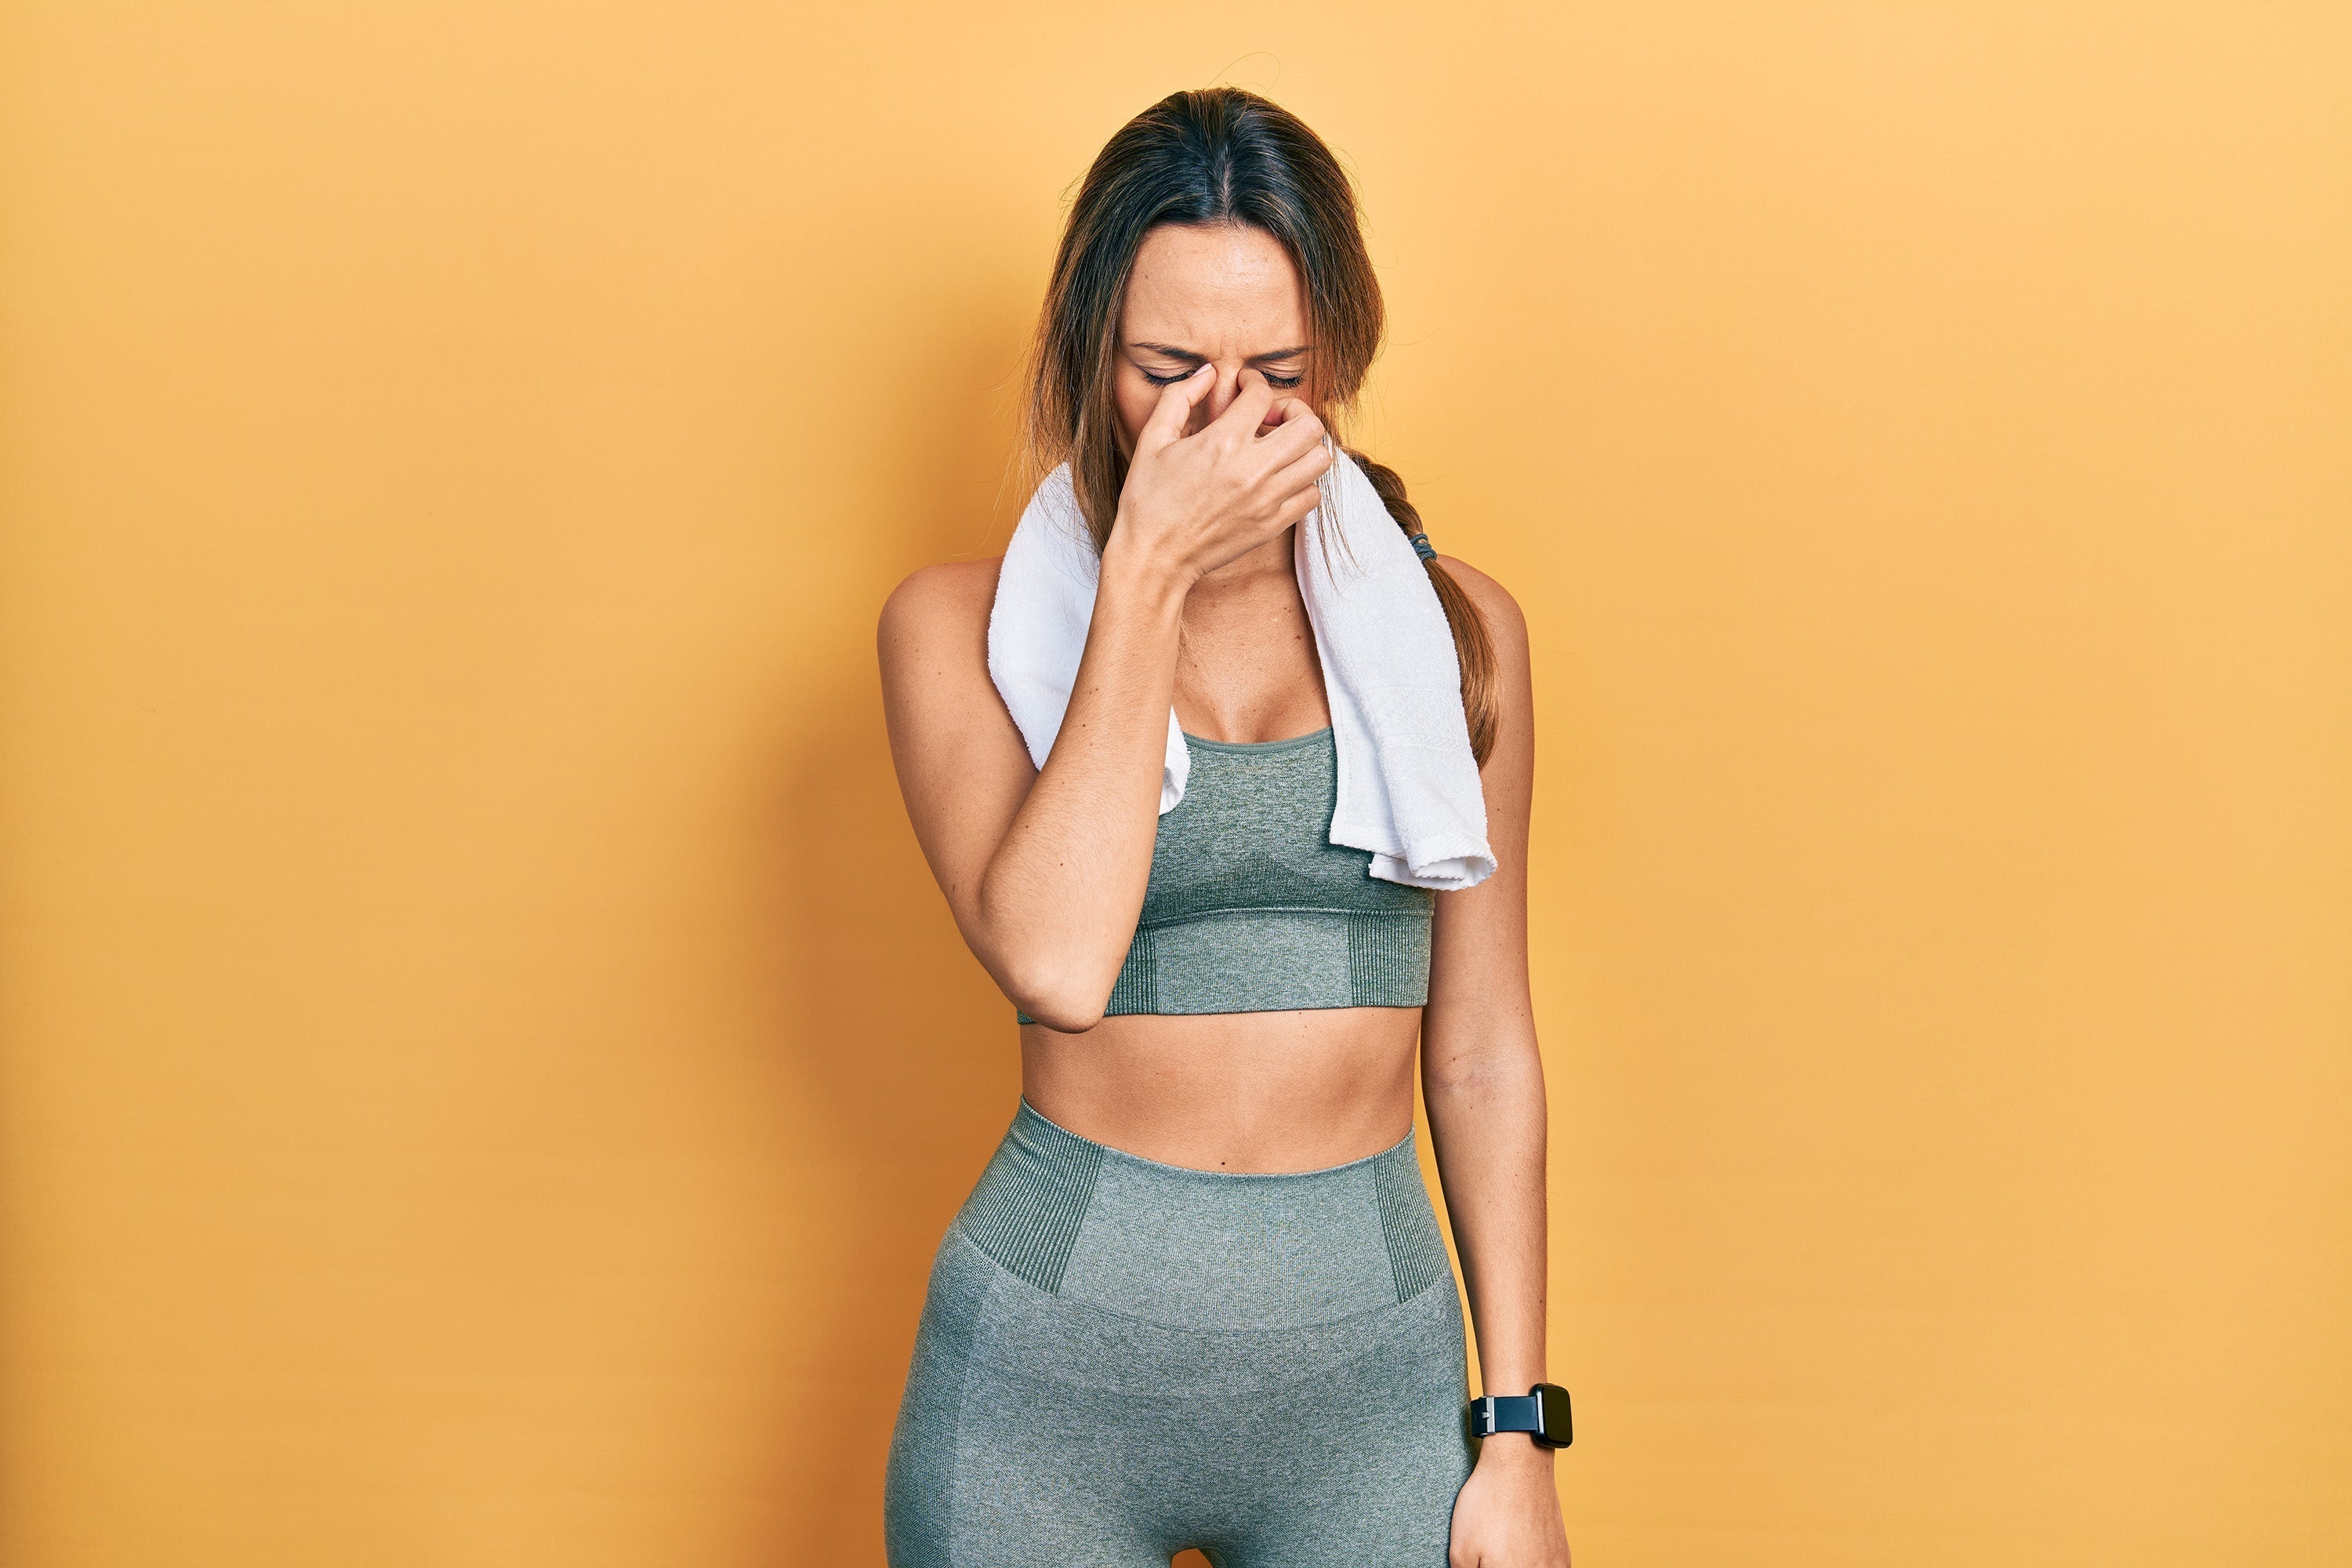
(1070, 1020)
(1065, 990)
(1050, 994)
(1498, 1066)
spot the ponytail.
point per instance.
(1472, 649)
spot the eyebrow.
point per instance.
(1174, 352)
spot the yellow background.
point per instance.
(485, 1067)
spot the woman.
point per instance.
(1199, 1297)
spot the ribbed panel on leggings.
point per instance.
(1030, 1202)
(1416, 1252)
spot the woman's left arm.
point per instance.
(1482, 1079)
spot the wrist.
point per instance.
(1542, 1419)
(1514, 1451)
(1141, 571)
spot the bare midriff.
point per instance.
(1241, 1092)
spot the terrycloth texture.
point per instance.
(1119, 1359)
(1408, 787)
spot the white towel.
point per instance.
(1409, 789)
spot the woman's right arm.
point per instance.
(1045, 870)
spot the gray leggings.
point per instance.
(1121, 1359)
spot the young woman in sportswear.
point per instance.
(1199, 1297)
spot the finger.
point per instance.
(1288, 408)
(1248, 410)
(1174, 409)
(1295, 506)
(1302, 472)
(1299, 432)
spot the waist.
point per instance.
(1232, 1091)
(1171, 1245)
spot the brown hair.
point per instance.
(1220, 155)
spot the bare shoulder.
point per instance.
(946, 600)
(1505, 622)
(932, 638)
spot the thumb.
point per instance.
(1175, 408)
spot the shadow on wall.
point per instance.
(903, 1054)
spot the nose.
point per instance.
(1225, 385)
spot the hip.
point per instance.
(1114, 1349)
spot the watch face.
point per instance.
(1552, 1415)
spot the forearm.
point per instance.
(1060, 895)
(1047, 870)
(1482, 1083)
(1483, 1079)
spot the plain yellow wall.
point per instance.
(485, 1067)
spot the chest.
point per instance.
(1253, 833)
(1248, 668)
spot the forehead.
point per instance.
(1215, 289)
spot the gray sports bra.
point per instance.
(1251, 908)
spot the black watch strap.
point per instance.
(1541, 1413)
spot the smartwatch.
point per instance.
(1541, 1413)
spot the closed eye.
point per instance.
(1180, 354)
(1271, 379)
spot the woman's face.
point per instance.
(1221, 293)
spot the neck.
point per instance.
(1251, 569)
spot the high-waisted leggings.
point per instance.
(1121, 1359)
